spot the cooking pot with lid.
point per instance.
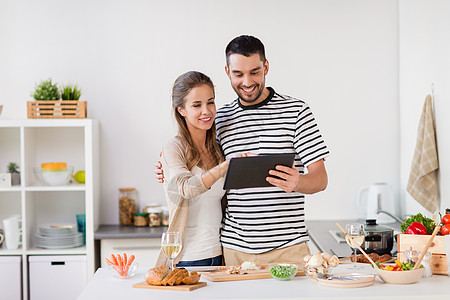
(378, 238)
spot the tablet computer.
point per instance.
(248, 172)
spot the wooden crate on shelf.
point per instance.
(438, 261)
(59, 109)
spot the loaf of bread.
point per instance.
(193, 278)
(156, 275)
(163, 276)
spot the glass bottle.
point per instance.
(127, 205)
(426, 265)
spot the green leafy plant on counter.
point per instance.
(46, 90)
(70, 92)
(427, 222)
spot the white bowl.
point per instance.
(54, 177)
(124, 272)
(400, 277)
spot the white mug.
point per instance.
(13, 232)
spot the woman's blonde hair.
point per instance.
(181, 88)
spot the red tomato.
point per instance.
(445, 229)
(446, 219)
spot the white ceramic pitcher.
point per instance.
(376, 197)
(13, 232)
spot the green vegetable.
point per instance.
(407, 266)
(283, 271)
(378, 265)
(427, 222)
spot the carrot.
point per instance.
(119, 259)
(119, 270)
(125, 259)
(130, 261)
(114, 260)
(109, 262)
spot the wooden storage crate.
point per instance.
(438, 261)
(59, 109)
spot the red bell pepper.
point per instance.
(416, 228)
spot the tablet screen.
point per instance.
(247, 172)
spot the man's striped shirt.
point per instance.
(258, 220)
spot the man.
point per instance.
(265, 225)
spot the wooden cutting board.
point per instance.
(251, 274)
(180, 287)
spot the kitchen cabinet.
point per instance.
(56, 277)
(30, 143)
(11, 277)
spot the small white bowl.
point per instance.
(400, 277)
(54, 177)
(124, 272)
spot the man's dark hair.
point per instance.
(245, 45)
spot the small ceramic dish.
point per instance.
(123, 272)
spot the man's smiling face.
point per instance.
(247, 76)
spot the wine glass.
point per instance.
(356, 232)
(171, 245)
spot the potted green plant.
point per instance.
(46, 90)
(13, 168)
(48, 102)
(70, 92)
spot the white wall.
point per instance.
(339, 56)
(424, 60)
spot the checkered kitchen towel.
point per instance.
(422, 183)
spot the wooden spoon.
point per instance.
(360, 249)
(425, 249)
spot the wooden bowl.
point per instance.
(401, 277)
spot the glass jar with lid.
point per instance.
(140, 219)
(127, 205)
(154, 216)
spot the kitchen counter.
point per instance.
(104, 286)
(128, 232)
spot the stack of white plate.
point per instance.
(58, 237)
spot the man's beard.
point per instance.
(249, 101)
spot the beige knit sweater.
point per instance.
(181, 188)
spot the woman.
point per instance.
(193, 168)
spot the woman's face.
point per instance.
(199, 108)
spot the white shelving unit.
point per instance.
(30, 143)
